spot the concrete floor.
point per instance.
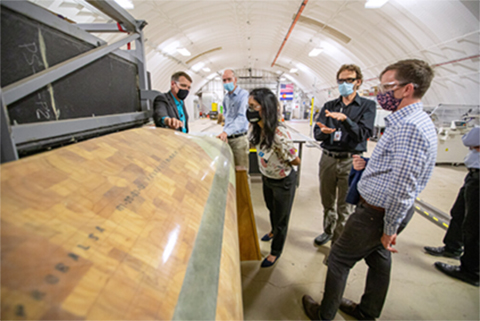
(417, 290)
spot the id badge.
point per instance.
(337, 136)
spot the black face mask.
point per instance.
(182, 94)
(253, 116)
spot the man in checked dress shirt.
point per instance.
(400, 166)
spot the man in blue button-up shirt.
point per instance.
(236, 123)
(400, 167)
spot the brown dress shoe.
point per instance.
(312, 308)
(351, 308)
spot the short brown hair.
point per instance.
(176, 76)
(351, 67)
(414, 71)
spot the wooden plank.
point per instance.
(247, 228)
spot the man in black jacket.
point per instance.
(169, 108)
(343, 126)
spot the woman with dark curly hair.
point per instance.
(276, 155)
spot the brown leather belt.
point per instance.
(376, 208)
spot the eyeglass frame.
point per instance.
(183, 86)
(382, 89)
(347, 80)
(255, 107)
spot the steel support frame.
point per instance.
(101, 27)
(30, 132)
(116, 12)
(7, 144)
(37, 13)
(142, 71)
(44, 130)
(26, 86)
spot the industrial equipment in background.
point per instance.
(452, 122)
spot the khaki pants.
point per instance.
(240, 149)
(333, 191)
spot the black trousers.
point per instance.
(360, 240)
(279, 195)
(462, 233)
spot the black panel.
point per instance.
(105, 87)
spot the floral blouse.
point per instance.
(274, 162)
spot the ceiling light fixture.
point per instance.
(170, 49)
(184, 52)
(293, 70)
(206, 69)
(125, 4)
(315, 52)
(198, 66)
(373, 4)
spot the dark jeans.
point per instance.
(278, 195)
(360, 240)
(453, 239)
(470, 258)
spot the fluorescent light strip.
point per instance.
(184, 52)
(198, 66)
(315, 52)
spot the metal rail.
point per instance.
(431, 213)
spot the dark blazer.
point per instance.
(164, 105)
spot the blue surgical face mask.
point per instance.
(229, 86)
(345, 89)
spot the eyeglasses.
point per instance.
(383, 88)
(183, 86)
(254, 107)
(349, 80)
